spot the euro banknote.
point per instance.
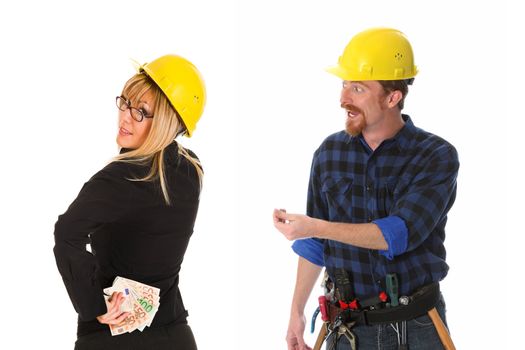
(140, 300)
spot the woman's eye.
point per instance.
(143, 111)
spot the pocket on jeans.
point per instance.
(425, 321)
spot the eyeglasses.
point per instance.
(138, 114)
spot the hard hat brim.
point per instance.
(338, 71)
(342, 73)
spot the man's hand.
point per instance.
(294, 336)
(294, 226)
(297, 226)
(113, 316)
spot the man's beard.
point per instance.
(354, 126)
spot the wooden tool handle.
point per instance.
(441, 329)
(320, 337)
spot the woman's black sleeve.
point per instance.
(102, 200)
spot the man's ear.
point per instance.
(394, 97)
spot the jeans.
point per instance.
(172, 337)
(421, 334)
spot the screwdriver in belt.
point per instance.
(392, 289)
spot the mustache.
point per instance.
(351, 108)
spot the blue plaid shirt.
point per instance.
(406, 187)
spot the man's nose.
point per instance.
(345, 96)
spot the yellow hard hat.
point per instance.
(182, 84)
(376, 54)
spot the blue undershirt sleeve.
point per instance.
(311, 249)
(395, 232)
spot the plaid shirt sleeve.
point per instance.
(428, 198)
(395, 233)
(312, 248)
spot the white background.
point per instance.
(270, 105)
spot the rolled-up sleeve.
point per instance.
(311, 249)
(100, 201)
(395, 233)
(425, 203)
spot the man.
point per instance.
(378, 199)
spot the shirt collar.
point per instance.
(405, 135)
(402, 139)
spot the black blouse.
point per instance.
(132, 233)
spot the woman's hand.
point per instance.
(113, 316)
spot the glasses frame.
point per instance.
(133, 110)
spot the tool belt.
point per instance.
(423, 300)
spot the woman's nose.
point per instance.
(125, 115)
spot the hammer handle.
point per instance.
(320, 337)
(441, 329)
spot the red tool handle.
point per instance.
(323, 306)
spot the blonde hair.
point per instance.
(165, 127)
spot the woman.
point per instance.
(138, 212)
